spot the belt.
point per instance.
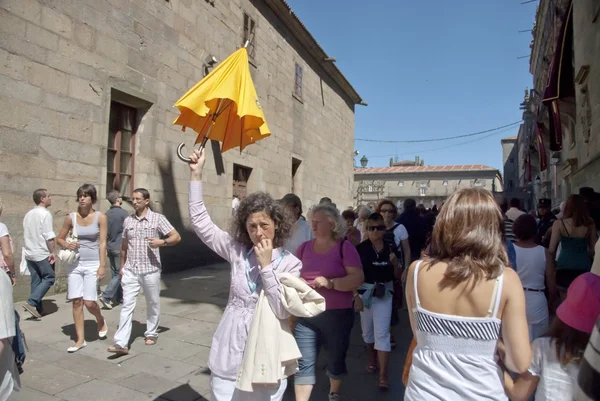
(533, 290)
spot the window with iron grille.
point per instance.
(298, 82)
(120, 150)
(423, 190)
(249, 36)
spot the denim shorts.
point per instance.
(331, 329)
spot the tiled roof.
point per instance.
(421, 169)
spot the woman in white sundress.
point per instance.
(460, 295)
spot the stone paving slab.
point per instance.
(175, 369)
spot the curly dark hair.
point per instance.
(256, 203)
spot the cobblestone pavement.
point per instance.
(175, 368)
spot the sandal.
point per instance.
(371, 368)
(383, 384)
(117, 349)
(150, 340)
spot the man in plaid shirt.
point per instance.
(143, 233)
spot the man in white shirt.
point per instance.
(515, 210)
(301, 231)
(38, 233)
(9, 374)
(235, 202)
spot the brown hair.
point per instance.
(468, 237)
(525, 227)
(386, 202)
(570, 343)
(576, 209)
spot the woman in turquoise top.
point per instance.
(576, 234)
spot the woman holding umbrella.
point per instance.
(255, 251)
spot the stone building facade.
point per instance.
(87, 90)
(564, 145)
(428, 185)
(510, 161)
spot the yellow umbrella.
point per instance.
(224, 106)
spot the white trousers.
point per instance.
(131, 283)
(225, 390)
(375, 323)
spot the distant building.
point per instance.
(428, 185)
(510, 160)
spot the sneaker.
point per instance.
(334, 397)
(32, 311)
(105, 305)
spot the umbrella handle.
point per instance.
(182, 145)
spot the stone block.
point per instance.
(172, 78)
(19, 90)
(12, 140)
(29, 394)
(13, 66)
(84, 90)
(74, 171)
(41, 37)
(27, 165)
(31, 10)
(42, 377)
(169, 369)
(57, 22)
(17, 114)
(142, 63)
(84, 35)
(47, 78)
(11, 24)
(62, 149)
(156, 386)
(112, 48)
(99, 390)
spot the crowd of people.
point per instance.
(502, 303)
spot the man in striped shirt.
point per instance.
(588, 381)
(143, 233)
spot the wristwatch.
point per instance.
(331, 284)
(11, 274)
(165, 242)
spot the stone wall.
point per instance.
(62, 62)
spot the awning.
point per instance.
(541, 149)
(560, 78)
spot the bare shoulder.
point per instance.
(512, 282)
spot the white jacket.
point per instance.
(271, 353)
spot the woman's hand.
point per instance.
(197, 164)
(264, 252)
(100, 273)
(321, 282)
(73, 246)
(358, 304)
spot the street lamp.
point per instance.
(538, 180)
(364, 161)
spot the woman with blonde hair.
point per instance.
(461, 297)
(332, 266)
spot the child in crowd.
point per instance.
(557, 356)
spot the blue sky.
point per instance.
(428, 69)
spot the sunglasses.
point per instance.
(376, 228)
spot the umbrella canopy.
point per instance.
(224, 106)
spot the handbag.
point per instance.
(70, 256)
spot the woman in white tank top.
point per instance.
(461, 296)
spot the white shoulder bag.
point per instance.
(67, 255)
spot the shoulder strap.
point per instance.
(496, 296)
(564, 226)
(418, 302)
(74, 223)
(342, 249)
(96, 217)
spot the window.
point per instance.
(479, 183)
(511, 160)
(295, 166)
(510, 184)
(445, 183)
(370, 188)
(401, 183)
(298, 82)
(121, 143)
(241, 175)
(423, 190)
(249, 36)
